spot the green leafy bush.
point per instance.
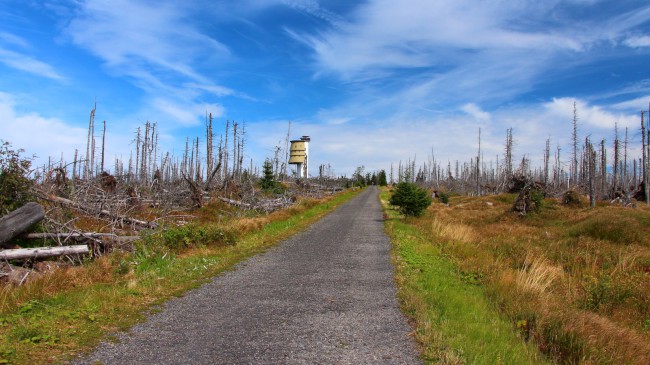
(191, 235)
(15, 183)
(411, 199)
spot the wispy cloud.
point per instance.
(143, 35)
(12, 39)
(15, 53)
(386, 35)
(312, 7)
(189, 114)
(638, 41)
(26, 63)
(159, 47)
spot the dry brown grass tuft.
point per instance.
(452, 231)
(605, 340)
(538, 274)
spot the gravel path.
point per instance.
(325, 296)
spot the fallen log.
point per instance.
(34, 236)
(20, 220)
(235, 202)
(89, 235)
(40, 252)
(105, 213)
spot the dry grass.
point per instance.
(575, 280)
(538, 274)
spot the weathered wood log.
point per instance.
(235, 202)
(20, 220)
(105, 213)
(67, 235)
(92, 235)
(40, 252)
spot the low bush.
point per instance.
(191, 235)
(15, 183)
(411, 199)
(571, 198)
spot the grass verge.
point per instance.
(455, 323)
(68, 312)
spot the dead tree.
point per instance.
(90, 144)
(547, 153)
(103, 146)
(603, 169)
(478, 165)
(644, 163)
(590, 157)
(508, 157)
(574, 139)
(615, 164)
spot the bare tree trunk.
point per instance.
(644, 163)
(198, 176)
(208, 142)
(89, 143)
(603, 169)
(103, 145)
(590, 157)
(547, 152)
(286, 149)
(626, 185)
(508, 159)
(574, 139)
(74, 166)
(137, 153)
(478, 165)
(616, 156)
(225, 151)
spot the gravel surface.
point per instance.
(325, 296)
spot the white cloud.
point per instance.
(592, 116)
(638, 42)
(388, 34)
(42, 136)
(12, 39)
(28, 64)
(641, 103)
(312, 7)
(22, 61)
(143, 35)
(187, 114)
(476, 112)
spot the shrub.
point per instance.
(571, 198)
(411, 200)
(443, 197)
(267, 182)
(190, 235)
(15, 183)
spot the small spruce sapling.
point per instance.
(411, 199)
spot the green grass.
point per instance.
(48, 322)
(454, 321)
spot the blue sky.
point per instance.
(373, 82)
